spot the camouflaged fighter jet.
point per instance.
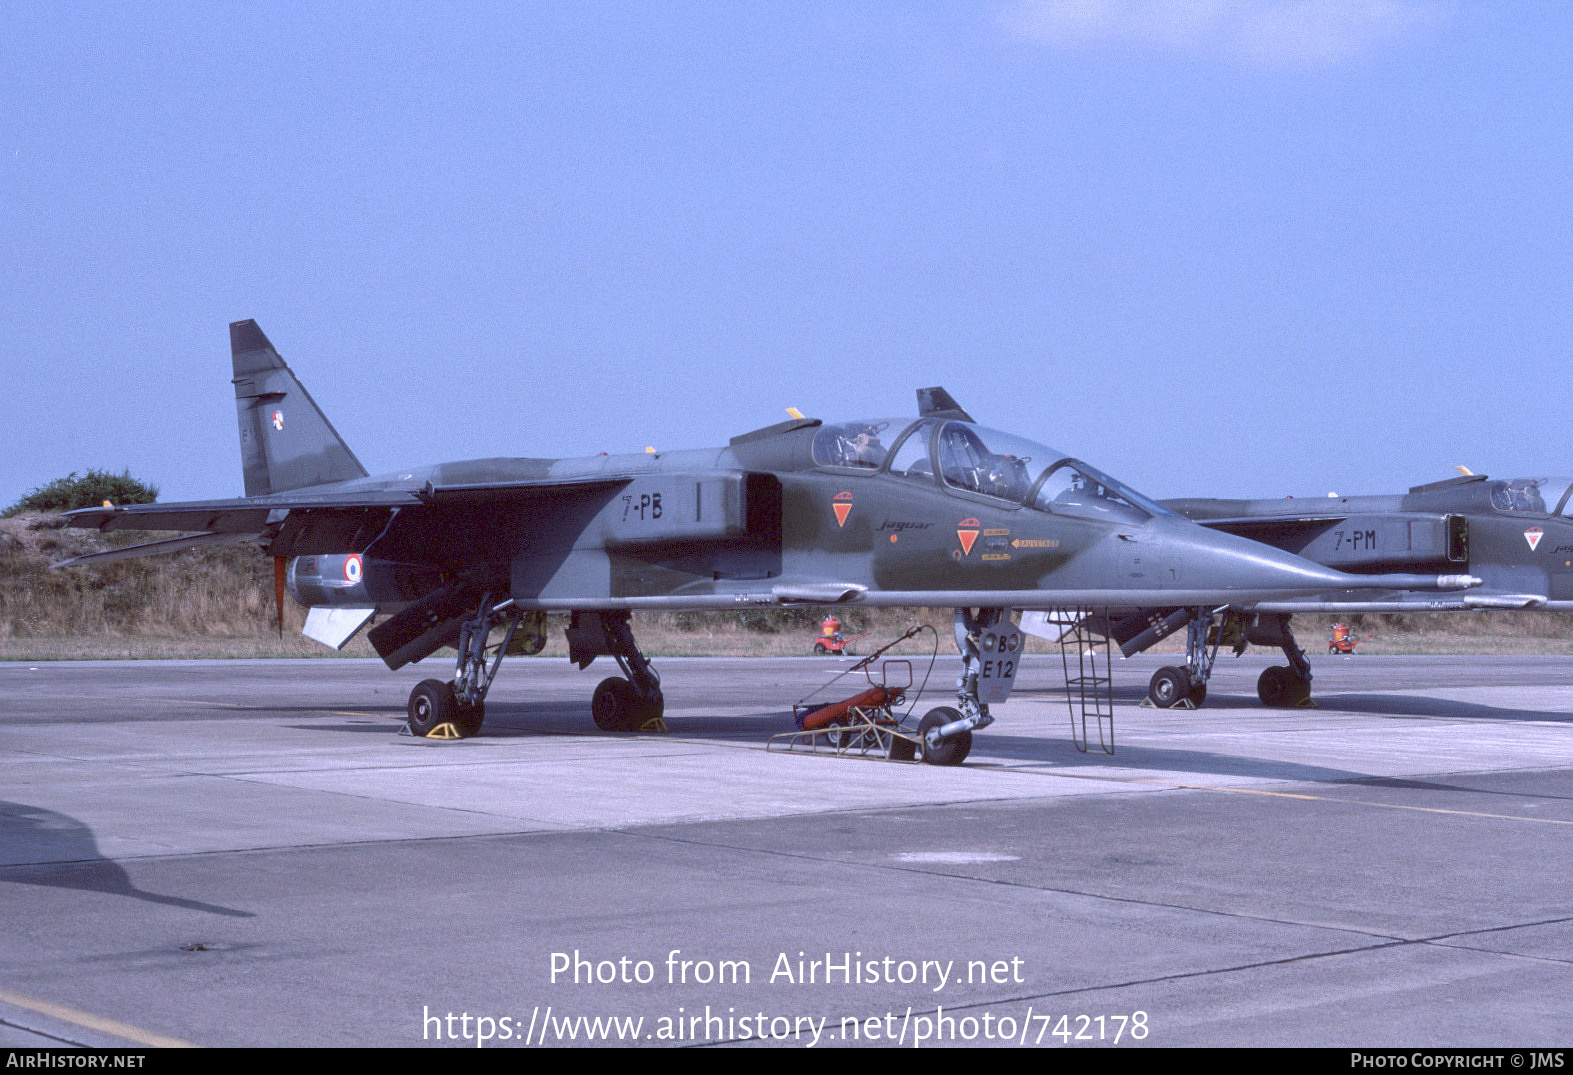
(932, 511)
(1516, 535)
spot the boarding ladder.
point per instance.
(1089, 679)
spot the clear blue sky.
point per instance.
(1215, 247)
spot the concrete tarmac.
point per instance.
(244, 853)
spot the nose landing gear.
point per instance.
(991, 647)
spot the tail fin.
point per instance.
(285, 440)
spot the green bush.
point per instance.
(88, 491)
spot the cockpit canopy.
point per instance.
(851, 444)
(1540, 496)
(969, 458)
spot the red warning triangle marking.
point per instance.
(967, 533)
(842, 511)
(1533, 536)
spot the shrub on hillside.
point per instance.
(88, 491)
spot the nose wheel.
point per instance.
(949, 750)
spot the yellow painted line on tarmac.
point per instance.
(197, 701)
(261, 708)
(94, 1022)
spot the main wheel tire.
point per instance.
(1270, 686)
(952, 751)
(1279, 686)
(647, 709)
(431, 704)
(1169, 686)
(1198, 694)
(614, 705)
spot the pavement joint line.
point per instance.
(1552, 960)
(1443, 939)
(1308, 957)
(1276, 794)
(89, 1021)
(996, 1002)
(909, 868)
(65, 1043)
(1361, 802)
(1388, 939)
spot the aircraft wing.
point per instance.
(1260, 527)
(304, 522)
(244, 515)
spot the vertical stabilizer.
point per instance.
(286, 442)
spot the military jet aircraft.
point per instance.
(932, 511)
(1516, 535)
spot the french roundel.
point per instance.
(352, 568)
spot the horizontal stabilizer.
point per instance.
(156, 548)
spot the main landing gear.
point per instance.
(991, 648)
(1283, 686)
(620, 704)
(1187, 687)
(456, 709)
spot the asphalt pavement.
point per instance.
(247, 853)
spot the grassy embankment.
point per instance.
(218, 602)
